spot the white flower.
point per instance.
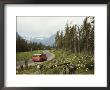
(38, 66)
(78, 65)
(81, 65)
(55, 65)
(86, 69)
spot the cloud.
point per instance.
(30, 27)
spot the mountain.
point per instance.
(46, 41)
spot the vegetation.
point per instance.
(77, 39)
(61, 64)
(22, 45)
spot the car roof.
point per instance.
(36, 54)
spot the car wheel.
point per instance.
(42, 59)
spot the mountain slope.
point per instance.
(46, 41)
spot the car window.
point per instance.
(40, 56)
(34, 55)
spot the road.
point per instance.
(49, 55)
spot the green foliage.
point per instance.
(77, 38)
(23, 45)
(60, 64)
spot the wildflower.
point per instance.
(55, 65)
(78, 65)
(79, 61)
(72, 59)
(81, 65)
(38, 66)
(86, 69)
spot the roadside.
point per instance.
(49, 55)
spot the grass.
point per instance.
(60, 64)
(21, 56)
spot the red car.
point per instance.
(39, 57)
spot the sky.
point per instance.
(43, 27)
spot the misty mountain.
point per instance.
(46, 41)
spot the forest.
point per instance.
(23, 45)
(77, 39)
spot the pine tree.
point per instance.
(57, 40)
(77, 39)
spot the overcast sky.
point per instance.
(40, 27)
